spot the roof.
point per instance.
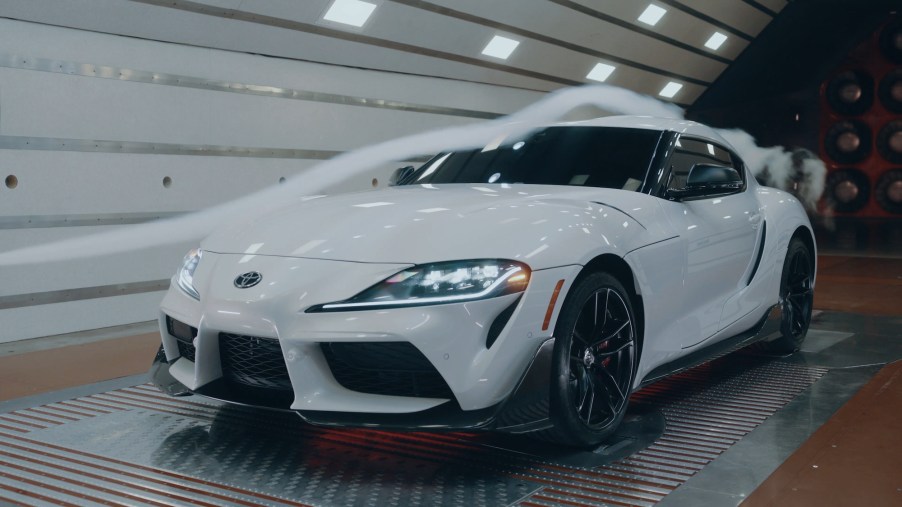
(653, 123)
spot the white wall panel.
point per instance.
(152, 22)
(53, 319)
(44, 104)
(82, 181)
(42, 41)
(60, 183)
(154, 263)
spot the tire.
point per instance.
(796, 299)
(593, 363)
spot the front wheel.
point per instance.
(594, 361)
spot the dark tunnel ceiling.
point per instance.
(798, 50)
(772, 46)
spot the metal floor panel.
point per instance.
(136, 446)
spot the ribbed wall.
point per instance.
(91, 124)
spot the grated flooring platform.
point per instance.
(136, 446)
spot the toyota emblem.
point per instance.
(248, 280)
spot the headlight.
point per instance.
(186, 274)
(444, 282)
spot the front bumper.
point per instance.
(481, 375)
(525, 410)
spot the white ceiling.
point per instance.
(560, 40)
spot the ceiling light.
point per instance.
(500, 47)
(600, 72)
(350, 12)
(670, 90)
(716, 41)
(652, 14)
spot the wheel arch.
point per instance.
(621, 270)
(807, 237)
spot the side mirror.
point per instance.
(400, 174)
(707, 179)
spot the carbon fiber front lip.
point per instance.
(525, 410)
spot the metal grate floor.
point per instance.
(136, 446)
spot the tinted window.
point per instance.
(689, 152)
(586, 156)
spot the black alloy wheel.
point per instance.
(796, 298)
(595, 359)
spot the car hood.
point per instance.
(427, 223)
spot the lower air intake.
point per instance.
(254, 366)
(389, 368)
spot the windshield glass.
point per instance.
(585, 156)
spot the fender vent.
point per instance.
(760, 253)
(500, 322)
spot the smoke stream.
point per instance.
(553, 107)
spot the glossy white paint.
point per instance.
(539, 225)
(691, 263)
(451, 336)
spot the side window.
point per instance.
(689, 152)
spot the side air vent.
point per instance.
(184, 336)
(760, 253)
(500, 321)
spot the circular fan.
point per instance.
(891, 91)
(851, 92)
(888, 191)
(848, 142)
(847, 190)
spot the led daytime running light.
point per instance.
(186, 274)
(459, 281)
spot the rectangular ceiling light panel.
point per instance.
(670, 90)
(716, 41)
(600, 72)
(500, 47)
(652, 14)
(350, 12)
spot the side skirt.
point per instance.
(766, 328)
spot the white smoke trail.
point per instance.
(799, 171)
(194, 226)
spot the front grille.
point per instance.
(390, 368)
(184, 336)
(253, 361)
(186, 350)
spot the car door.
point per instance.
(718, 233)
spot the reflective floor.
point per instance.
(751, 428)
(709, 436)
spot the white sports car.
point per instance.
(529, 286)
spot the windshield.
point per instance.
(585, 156)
